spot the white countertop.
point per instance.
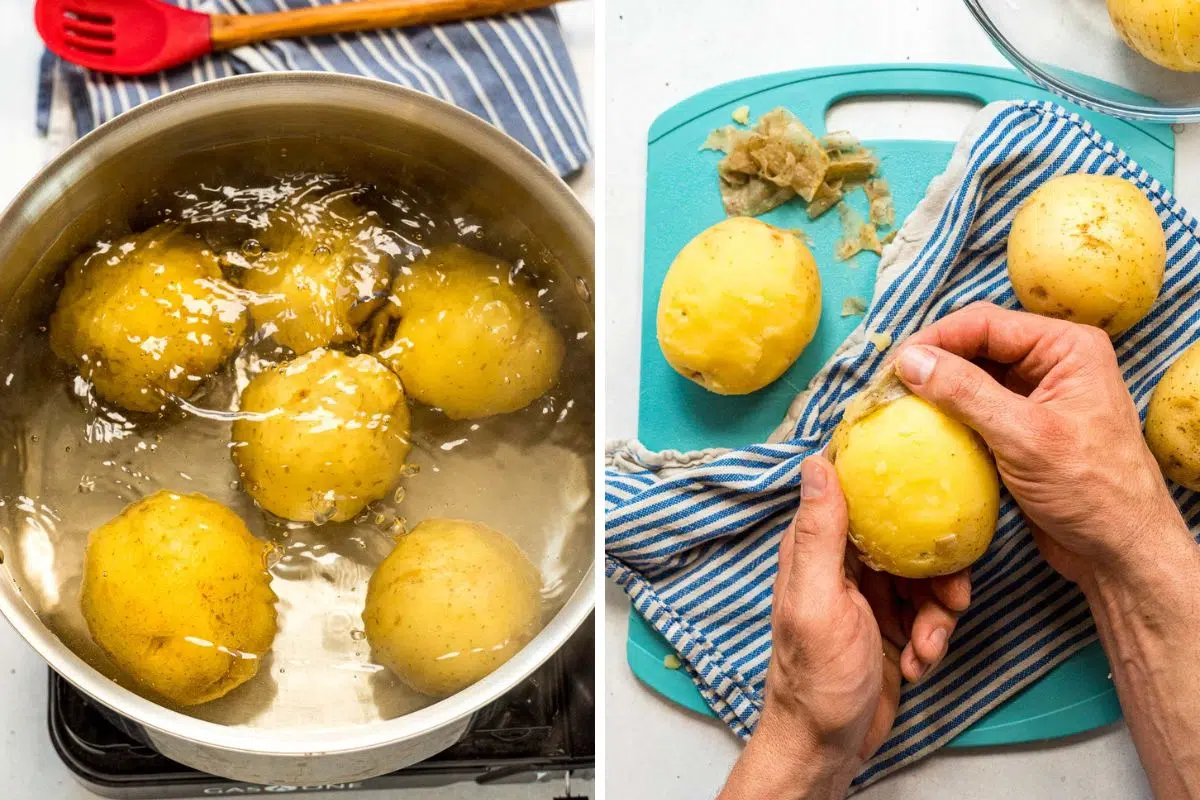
(29, 767)
(657, 55)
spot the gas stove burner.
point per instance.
(545, 726)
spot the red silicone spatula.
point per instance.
(136, 37)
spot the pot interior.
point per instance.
(69, 465)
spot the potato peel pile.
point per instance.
(768, 165)
(779, 159)
(882, 210)
(857, 234)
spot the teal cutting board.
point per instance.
(673, 413)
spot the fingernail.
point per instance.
(916, 364)
(813, 479)
(938, 638)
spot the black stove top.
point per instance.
(544, 726)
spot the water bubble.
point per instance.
(324, 506)
(409, 470)
(272, 553)
(398, 495)
(356, 635)
(87, 483)
(321, 250)
(252, 248)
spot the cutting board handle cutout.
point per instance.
(904, 116)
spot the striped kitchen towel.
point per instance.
(511, 70)
(692, 538)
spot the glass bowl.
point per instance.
(1072, 48)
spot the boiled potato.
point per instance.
(1165, 31)
(320, 276)
(320, 437)
(1087, 248)
(176, 592)
(450, 604)
(146, 317)
(1173, 420)
(470, 338)
(921, 488)
(739, 304)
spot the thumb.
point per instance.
(968, 393)
(814, 547)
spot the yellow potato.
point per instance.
(176, 592)
(320, 276)
(147, 317)
(1165, 31)
(450, 604)
(921, 488)
(322, 436)
(739, 304)
(1087, 248)
(470, 339)
(1173, 420)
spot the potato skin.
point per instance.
(921, 489)
(1087, 248)
(319, 277)
(1173, 420)
(1165, 31)
(328, 435)
(451, 586)
(146, 316)
(174, 588)
(470, 340)
(739, 304)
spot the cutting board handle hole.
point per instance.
(899, 116)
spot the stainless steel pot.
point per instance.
(373, 126)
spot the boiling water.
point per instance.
(527, 474)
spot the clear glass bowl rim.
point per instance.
(1072, 93)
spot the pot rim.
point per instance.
(318, 740)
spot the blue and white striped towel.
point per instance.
(692, 539)
(511, 70)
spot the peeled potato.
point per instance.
(921, 488)
(322, 436)
(147, 317)
(1173, 420)
(453, 602)
(1087, 248)
(1165, 31)
(470, 338)
(739, 304)
(176, 592)
(320, 276)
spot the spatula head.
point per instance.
(124, 37)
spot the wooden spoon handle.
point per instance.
(234, 30)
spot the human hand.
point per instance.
(843, 635)
(1065, 433)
